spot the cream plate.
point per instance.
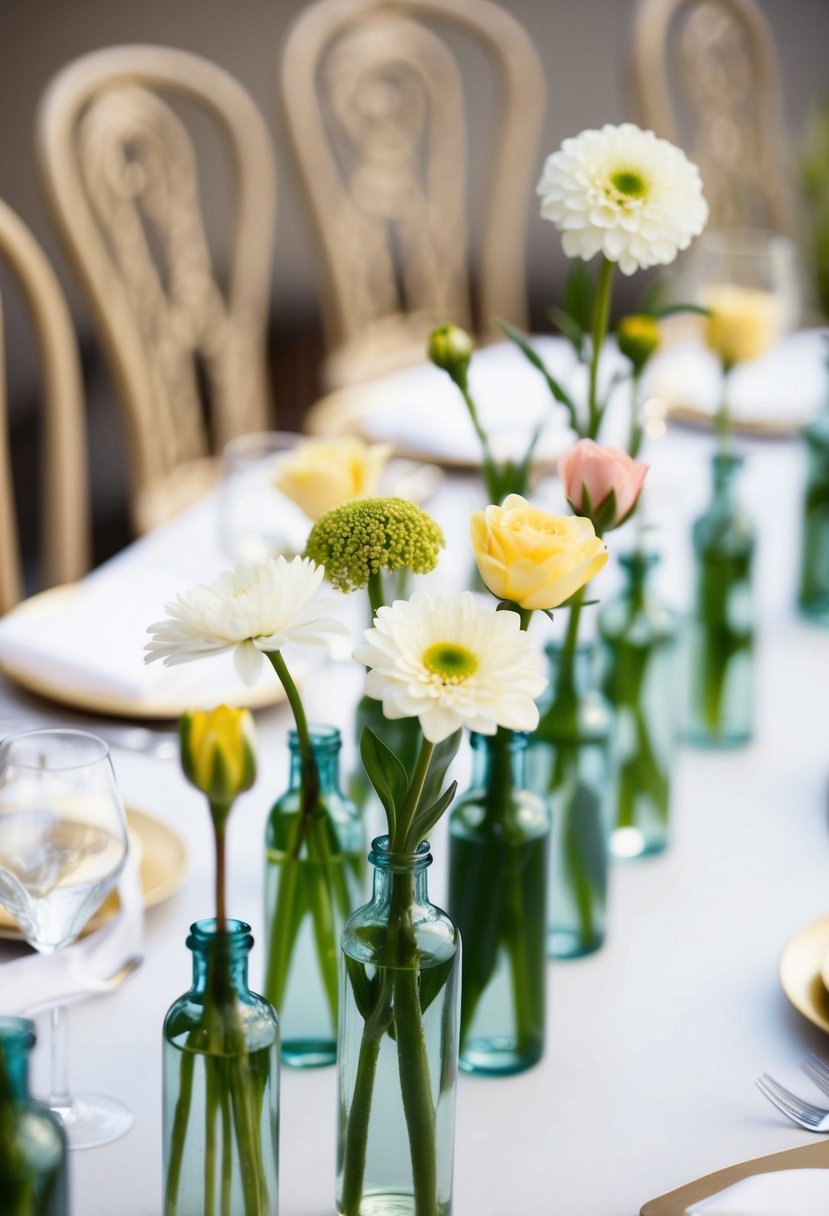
(66, 693)
(163, 866)
(800, 972)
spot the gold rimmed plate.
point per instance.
(162, 867)
(801, 966)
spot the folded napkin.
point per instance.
(36, 982)
(783, 1193)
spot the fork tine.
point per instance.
(782, 1105)
(817, 1070)
(800, 1107)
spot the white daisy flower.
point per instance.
(622, 191)
(450, 662)
(259, 606)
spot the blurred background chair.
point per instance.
(374, 99)
(186, 350)
(706, 76)
(64, 549)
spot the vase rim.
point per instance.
(204, 935)
(323, 737)
(382, 856)
(17, 1032)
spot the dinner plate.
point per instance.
(675, 1203)
(162, 868)
(800, 972)
(66, 692)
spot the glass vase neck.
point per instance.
(724, 469)
(569, 672)
(637, 566)
(17, 1038)
(326, 743)
(502, 755)
(389, 866)
(213, 949)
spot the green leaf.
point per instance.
(559, 393)
(386, 774)
(425, 820)
(442, 757)
(571, 329)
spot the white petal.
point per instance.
(248, 661)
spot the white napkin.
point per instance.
(36, 982)
(783, 1193)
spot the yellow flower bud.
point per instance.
(743, 322)
(450, 349)
(218, 752)
(320, 475)
(638, 338)
(531, 558)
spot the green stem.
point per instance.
(219, 813)
(211, 1084)
(227, 1140)
(636, 433)
(401, 842)
(723, 418)
(416, 1089)
(601, 317)
(566, 686)
(179, 1133)
(309, 785)
(376, 594)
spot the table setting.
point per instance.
(571, 718)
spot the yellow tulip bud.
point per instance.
(218, 753)
(320, 475)
(450, 349)
(531, 558)
(638, 338)
(742, 323)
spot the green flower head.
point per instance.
(368, 535)
(450, 348)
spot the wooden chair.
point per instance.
(374, 100)
(65, 512)
(121, 174)
(706, 76)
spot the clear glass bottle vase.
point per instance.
(639, 666)
(313, 882)
(721, 628)
(33, 1173)
(221, 1085)
(398, 1046)
(499, 834)
(813, 592)
(570, 762)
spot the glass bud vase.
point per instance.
(571, 762)
(398, 1046)
(221, 1085)
(499, 836)
(721, 628)
(33, 1175)
(639, 660)
(813, 595)
(313, 882)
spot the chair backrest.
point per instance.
(64, 511)
(374, 99)
(713, 63)
(121, 174)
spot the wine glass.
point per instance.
(63, 844)
(761, 265)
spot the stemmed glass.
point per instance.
(762, 265)
(63, 844)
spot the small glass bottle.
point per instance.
(309, 895)
(398, 1046)
(33, 1174)
(639, 660)
(499, 834)
(721, 628)
(220, 1122)
(571, 763)
(813, 595)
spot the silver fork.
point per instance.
(804, 1114)
(814, 1067)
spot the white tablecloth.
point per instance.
(654, 1042)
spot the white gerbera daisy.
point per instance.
(622, 191)
(450, 662)
(259, 606)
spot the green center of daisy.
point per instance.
(450, 661)
(629, 183)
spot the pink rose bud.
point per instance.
(602, 483)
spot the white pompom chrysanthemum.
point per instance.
(623, 192)
(258, 607)
(450, 662)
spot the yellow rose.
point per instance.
(743, 322)
(531, 558)
(218, 752)
(321, 474)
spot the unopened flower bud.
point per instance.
(218, 753)
(450, 348)
(638, 338)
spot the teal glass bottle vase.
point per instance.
(398, 1046)
(813, 593)
(571, 763)
(33, 1175)
(313, 882)
(721, 628)
(639, 664)
(499, 834)
(220, 1084)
